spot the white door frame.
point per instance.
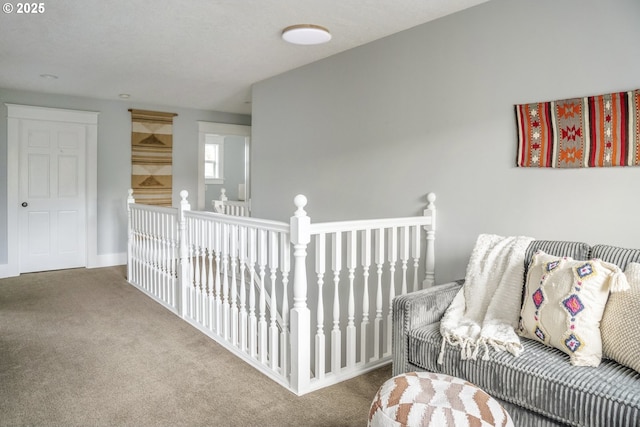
(16, 113)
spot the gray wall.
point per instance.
(367, 133)
(114, 157)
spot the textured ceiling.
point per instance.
(202, 54)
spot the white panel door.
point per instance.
(52, 212)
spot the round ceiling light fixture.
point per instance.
(306, 34)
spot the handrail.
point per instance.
(243, 281)
(368, 224)
(268, 224)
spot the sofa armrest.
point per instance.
(414, 310)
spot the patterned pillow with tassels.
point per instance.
(564, 303)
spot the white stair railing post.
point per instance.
(300, 314)
(430, 276)
(183, 279)
(130, 201)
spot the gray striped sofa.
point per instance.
(538, 388)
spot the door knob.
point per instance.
(25, 204)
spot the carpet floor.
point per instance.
(82, 347)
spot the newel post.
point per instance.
(183, 276)
(130, 201)
(300, 315)
(430, 275)
(218, 205)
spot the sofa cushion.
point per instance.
(616, 255)
(540, 380)
(564, 303)
(619, 327)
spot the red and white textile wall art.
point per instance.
(594, 131)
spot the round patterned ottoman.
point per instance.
(428, 399)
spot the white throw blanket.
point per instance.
(487, 308)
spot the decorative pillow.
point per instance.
(559, 248)
(564, 303)
(620, 325)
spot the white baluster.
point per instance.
(174, 255)
(158, 250)
(336, 335)
(320, 338)
(210, 278)
(233, 252)
(415, 254)
(192, 268)
(242, 259)
(195, 239)
(352, 262)
(273, 305)
(285, 268)
(225, 282)
(145, 256)
(151, 254)
(202, 238)
(405, 239)
(217, 248)
(393, 259)
(379, 260)
(366, 263)
(163, 260)
(253, 322)
(262, 321)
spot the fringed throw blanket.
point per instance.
(487, 308)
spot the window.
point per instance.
(213, 159)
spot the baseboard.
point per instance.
(108, 260)
(8, 270)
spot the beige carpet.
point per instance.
(84, 348)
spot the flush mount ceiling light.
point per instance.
(306, 34)
(124, 96)
(49, 76)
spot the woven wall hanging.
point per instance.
(593, 131)
(152, 157)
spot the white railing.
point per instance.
(244, 282)
(231, 207)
